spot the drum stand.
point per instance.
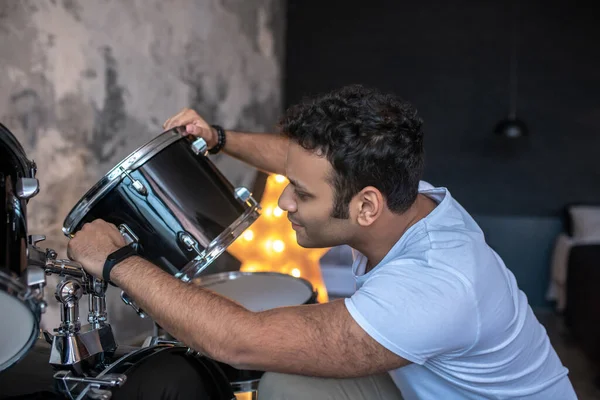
(77, 349)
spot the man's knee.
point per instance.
(275, 386)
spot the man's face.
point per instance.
(308, 199)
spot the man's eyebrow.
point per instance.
(298, 185)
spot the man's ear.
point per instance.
(369, 205)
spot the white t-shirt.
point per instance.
(444, 300)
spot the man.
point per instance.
(436, 311)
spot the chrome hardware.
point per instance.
(104, 381)
(64, 267)
(127, 300)
(199, 146)
(189, 241)
(152, 341)
(137, 185)
(27, 188)
(128, 234)
(68, 293)
(35, 276)
(74, 346)
(79, 349)
(97, 302)
(34, 239)
(242, 194)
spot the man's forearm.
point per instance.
(265, 151)
(201, 319)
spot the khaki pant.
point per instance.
(274, 386)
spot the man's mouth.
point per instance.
(295, 226)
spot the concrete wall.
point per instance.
(84, 83)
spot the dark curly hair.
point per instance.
(370, 139)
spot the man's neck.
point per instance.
(382, 237)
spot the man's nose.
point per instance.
(286, 200)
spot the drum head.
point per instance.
(258, 291)
(18, 329)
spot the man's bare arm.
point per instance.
(315, 340)
(265, 151)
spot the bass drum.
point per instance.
(20, 304)
(164, 372)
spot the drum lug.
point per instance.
(189, 242)
(129, 302)
(242, 194)
(199, 146)
(137, 185)
(27, 188)
(128, 234)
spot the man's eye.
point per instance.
(301, 196)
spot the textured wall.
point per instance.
(84, 83)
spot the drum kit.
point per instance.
(181, 213)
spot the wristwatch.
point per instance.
(115, 258)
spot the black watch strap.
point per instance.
(115, 258)
(220, 140)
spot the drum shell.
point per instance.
(184, 193)
(20, 307)
(13, 210)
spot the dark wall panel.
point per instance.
(451, 59)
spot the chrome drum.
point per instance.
(20, 303)
(173, 201)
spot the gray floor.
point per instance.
(580, 371)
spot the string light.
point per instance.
(271, 244)
(278, 246)
(280, 178)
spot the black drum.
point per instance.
(173, 201)
(20, 304)
(164, 371)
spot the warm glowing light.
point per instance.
(268, 211)
(296, 272)
(268, 245)
(248, 235)
(279, 178)
(278, 212)
(278, 246)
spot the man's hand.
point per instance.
(194, 125)
(93, 243)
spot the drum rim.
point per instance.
(220, 277)
(17, 149)
(16, 289)
(113, 177)
(220, 244)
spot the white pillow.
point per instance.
(586, 222)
